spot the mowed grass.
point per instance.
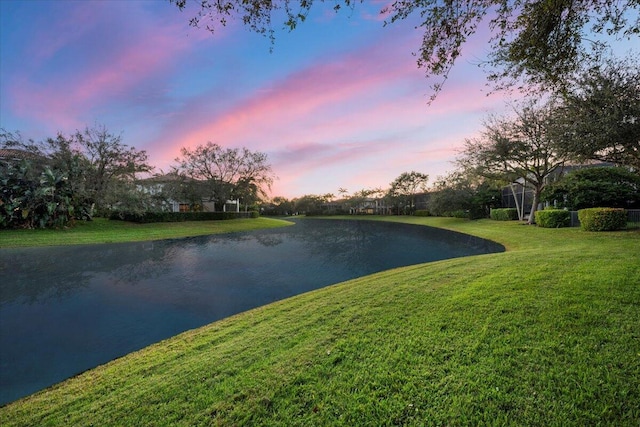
(547, 333)
(102, 230)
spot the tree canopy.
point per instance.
(95, 168)
(460, 193)
(600, 116)
(535, 42)
(522, 148)
(111, 163)
(592, 187)
(404, 188)
(226, 173)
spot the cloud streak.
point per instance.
(339, 103)
(97, 74)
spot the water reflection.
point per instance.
(67, 309)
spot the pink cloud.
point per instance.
(287, 108)
(52, 35)
(359, 119)
(132, 65)
(133, 54)
(333, 97)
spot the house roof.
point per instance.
(587, 164)
(17, 154)
(159, 179)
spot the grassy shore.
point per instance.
(102, 230)
(546, 333)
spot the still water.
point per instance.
(67, 309)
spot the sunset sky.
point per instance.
(340, 102)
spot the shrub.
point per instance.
(148, 217)
(602, 219)
(504, 214)
(553, 218)
(35, 197)
(614, 187)
(422, 212)
(460, 213)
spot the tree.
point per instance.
(166, 189)
(404, 188)
(461, 194)
(34, 195)
(540, 42)
(279, 206)
(247, 191)
(111, 164)
(311, 204)
(366, 200)
(592, 187)
(36, 190)
(519, 148)
(601, 113)
(96, 163)
(226, 173)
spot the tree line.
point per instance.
(91, 172)
(553, 50)
(51, 183)
(594, 120)
(587, 108)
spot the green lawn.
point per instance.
(545, 334)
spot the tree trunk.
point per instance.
(515, 198)
(534, 206)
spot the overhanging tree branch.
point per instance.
(534, 43)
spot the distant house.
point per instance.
(524, 194)
(14, 155)
(157, 186)
(370, 206)
(422, 201)
(518, 195)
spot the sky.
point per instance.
(337, 103)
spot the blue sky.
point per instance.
(340, 102)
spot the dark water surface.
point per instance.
(70, 308)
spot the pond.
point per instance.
(67, 309)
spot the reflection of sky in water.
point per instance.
(67, 309)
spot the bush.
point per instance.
(553, 218)
(460, 213)
(148, 217)
(614, 187)
(602, 219)
(422, 212)
(504, 214)
(33, 196)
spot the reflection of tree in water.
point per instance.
(367, 244)
(29, 274)
(41, 273)
(347, 243)
(35, 274)
(147, 261)
(269, 240)
(265, 238)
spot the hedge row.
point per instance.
(602, 219)
(553, 218)
(148, 217)
(592, 219)
(504, 214)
